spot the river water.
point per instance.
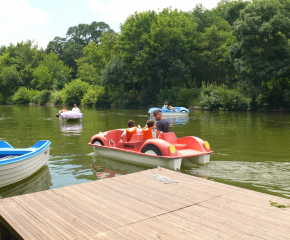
(251, 150)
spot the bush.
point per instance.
(74, 91)
(95, 97)
(276, 94)
(55, 97)
(177, 96)
(22, 96)
(42, 97)
(124, 99)
(32, 94)
(220, 97)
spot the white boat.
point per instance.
(70, 115)
(39, 181)
(19, 163)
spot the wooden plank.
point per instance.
(91, 221)
(14, 224)
(29, 220)
(61, 223)
(108, 214)
(186, 187)
(177, 227)
(129, 213)
(165, 202)
(230, 222)
(267, 214)
(124, 200)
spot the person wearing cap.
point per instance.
(162, 124)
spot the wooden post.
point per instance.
(4, 233)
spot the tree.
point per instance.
(261, 51)
(56, 45)
(10, 81)
(84, 34)
(158, 48)
(206, 18)
(96, 57)
(24, 56)
(116, 75)
(51, 74)
(71, 48)
(230, 9)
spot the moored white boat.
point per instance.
(19, 163)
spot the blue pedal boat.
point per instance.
(19, 163)
(179, 111)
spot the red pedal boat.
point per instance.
(167, 151)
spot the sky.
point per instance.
(43, 20)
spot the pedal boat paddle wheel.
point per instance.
(167, 151)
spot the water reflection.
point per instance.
(39, 181)
(266, 177)
(175, 120)
(105, 167)
(71, 129)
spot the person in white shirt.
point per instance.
(76, 109)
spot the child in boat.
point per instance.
(131, 130)
(63, 110)
(148, 130)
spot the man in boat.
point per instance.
(76, 109)
(131, 130)
(162, 124)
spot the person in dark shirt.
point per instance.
(162, 124)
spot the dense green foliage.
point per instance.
(235, 57)
(74, 91)
(222, 98)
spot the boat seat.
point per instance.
(170, 137)
(8, 157)
(137, 137)
(181, 146)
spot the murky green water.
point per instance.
(252, 150)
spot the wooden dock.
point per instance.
(136, 206)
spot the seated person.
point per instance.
(76, 109)
(148, 130)
(169, 107)
(63, 110)
(162, 124)
(131, 130)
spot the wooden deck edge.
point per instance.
(7, 232)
